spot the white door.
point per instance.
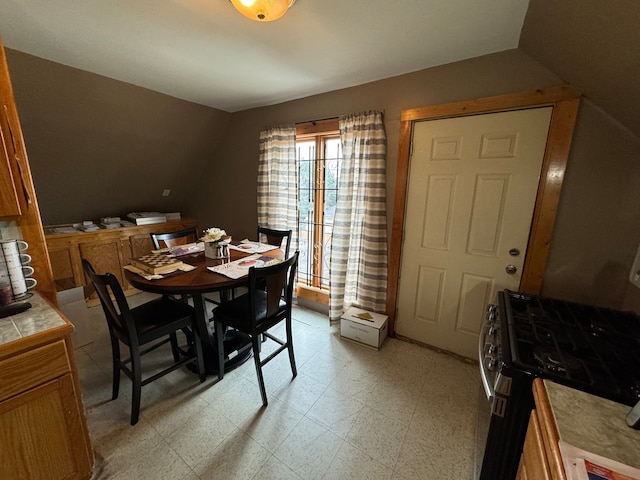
(470, 199)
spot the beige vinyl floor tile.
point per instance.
(378, 435)
(350, 462)
(402, 413)
(309, 449)
(336, 412)
(274, 469)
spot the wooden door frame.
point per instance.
(564, 100)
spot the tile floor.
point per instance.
(402, 413)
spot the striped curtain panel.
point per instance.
(278, 180)
(358, 274)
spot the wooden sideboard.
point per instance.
(107, 250)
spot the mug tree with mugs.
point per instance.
(15, 271)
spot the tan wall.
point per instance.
(99, 147)
(594, 46)
(598, 225)
(504, 72)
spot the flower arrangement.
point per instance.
(214, 235)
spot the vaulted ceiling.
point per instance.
(593, 45)
(206, 52)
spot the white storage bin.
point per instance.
(364, 327)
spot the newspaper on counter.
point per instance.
(240, 268)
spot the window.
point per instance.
(318, 154)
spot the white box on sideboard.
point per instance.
(364, 327)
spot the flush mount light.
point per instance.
(262, 10)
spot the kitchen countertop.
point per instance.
(39, 318)
(594, 424)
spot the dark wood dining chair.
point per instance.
(276, 237)
(257, 311)
(172, 239)
(143, 329)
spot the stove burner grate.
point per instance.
(556, 361)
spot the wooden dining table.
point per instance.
(196, 283)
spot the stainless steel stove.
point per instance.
(593, 349)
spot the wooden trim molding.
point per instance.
(29, 219)
(564, 100)
(325, 127)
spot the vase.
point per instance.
(216, 250)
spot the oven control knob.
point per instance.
(490, 349)
(493, 330)
(491, 308)
(491, 362)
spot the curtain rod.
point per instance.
(334, 117)
(320, 120)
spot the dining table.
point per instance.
(196, 283)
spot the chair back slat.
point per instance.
(173, 239)
(276, 237)
(108, 288)
(275, 285)
(277, 281)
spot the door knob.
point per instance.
(511, 269)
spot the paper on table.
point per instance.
(251, 247)
(582, 465)
(150, 276)
(240, 268)
(179, 250)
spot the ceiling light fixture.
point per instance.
(262, 10)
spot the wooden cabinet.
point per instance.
(43, 432)
(18, 200)
(541, 459)
(533, 462)
(107, 250)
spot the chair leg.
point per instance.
(292, 359)
(174, 346)
(115, 364)
(136, 388)
(188, 333)
(220, 341)
(255, 340)
(199, 356)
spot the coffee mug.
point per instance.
(27, 271)
(15, 260)
(20, 285)
(15, 246)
